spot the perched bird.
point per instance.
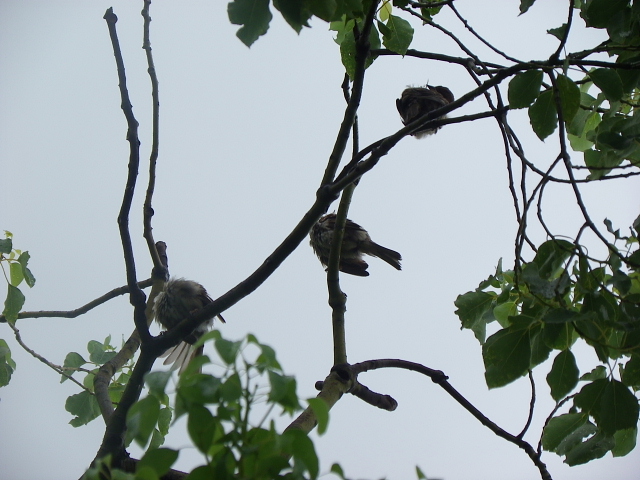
(418, 101)
(355, 243)
(177, 300)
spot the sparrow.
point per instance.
(173, 304)
(355, 243)
(418, 101)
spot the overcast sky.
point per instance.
(245, 135)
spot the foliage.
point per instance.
(84, 405)
(556, 296)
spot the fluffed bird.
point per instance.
(355, 243)
(174, 303)
(418, 101)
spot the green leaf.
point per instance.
(6, 244)
(303, 451)
(569, 97)
(84, 406)
(7, 365)
(231, 388)
(295, 12)
(13, 303)
(473, 308)
(589, 399)
(625, 441)
(595, 447)
(73, 360)
(283, 391)
(609, 82)
(598, 13)
(321, 411)
(525, 4)
(631, 372)
(563, 376)
(524, 88)
(253, 15)
(619, 408)
(400, 35)
(543, 115)
(560, 427)
(227, 350)
(324, 9)
(157, 382)
(15, 273)
(558, 32)
(551, 256)
(597, 373)
(142, 418)
(201, 427)
(503, 311)
(506, 355)
(97, 353)
(159, 460)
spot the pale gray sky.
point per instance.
(245, 134)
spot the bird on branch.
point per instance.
(356, 242)
(418, 101)
(174, 303)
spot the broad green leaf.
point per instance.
(231, 388)
(253, 15)
(631, 372)
(563, 376)
(202, 426)
(506, 355)
(324, 9)
(551, 256)
(97, 353)
(400, 35)
(385, 11)
(558, 32)
(13, 303)
(164, 420)
(569, 97)
(304, 451)
(598, 13)
(625, 441)
(283, 391)
(160, 460)
(7, 365)
(595, 447)
(597, 373)
(321, 411)
(295, 12)
(83, 406)
(543, 115)
(503, 311)
(6, 245)
(157, 382)
(73, 360)
(142, 418)
(579, 144)
(609, 82)
(589, 399)
(227, 350)
(524, 88)
(560, 427)
(619, 409)
(525, 5)
(15, 273)
(472, 310)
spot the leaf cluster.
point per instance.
(220, 410)
(84, 406)
(558, 298)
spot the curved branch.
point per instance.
(116, 292)
(440, 378)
